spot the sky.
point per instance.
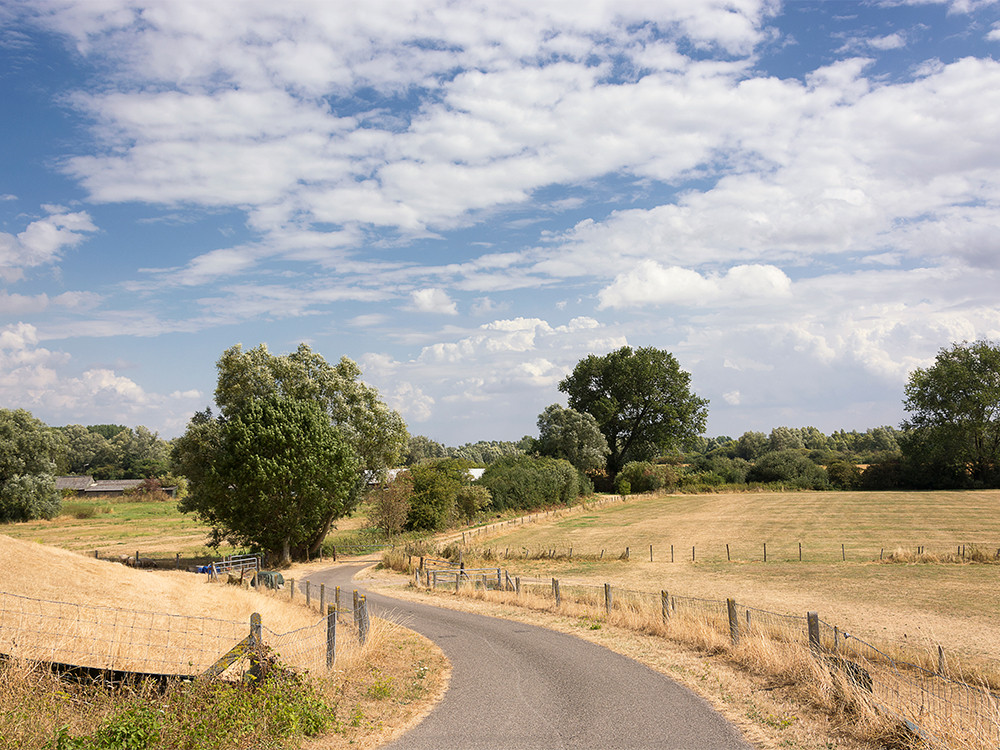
(799, 200)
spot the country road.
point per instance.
(519, 686)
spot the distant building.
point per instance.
(85, 486)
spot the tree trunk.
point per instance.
(317, 540)
(286, 551)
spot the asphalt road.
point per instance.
(520, 686)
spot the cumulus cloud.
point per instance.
(43, 241)
(54, 389)
(649, 283)
(432, 301)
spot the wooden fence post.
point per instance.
(517, 585)
(734, 621)
(765, 551)
(671, 553)
(336, 598)
(812, 619)
(607, 598)
(665, 605)
(331, 636)
(500, 585)
(322, 597)
(651, 553)
(363, 622)
(555, 592)
(308, 600)
(941, 660)
(728, 559)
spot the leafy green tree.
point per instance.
(373, 434)
(29, 454)
(376, 433)
(485, 452)
(568, 434)
(389, 505)
(420, 448)
(784, 438)
(751, 445)
(641, 401)
(954, 408)
(435, 493)
(85, 450)
(280, 471)
(471, 500)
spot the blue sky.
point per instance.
(800, 200)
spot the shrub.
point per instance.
(788, 467)
(472, 500)
(645, 476)
(435, 490)
(29, 496)
(525, 482)
(844, 475)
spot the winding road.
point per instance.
(519, 686)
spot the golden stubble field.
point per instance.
(921, 604)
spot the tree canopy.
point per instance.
(641, 401)
(28, 454)
(569, 434)
(954, 416)
(291, 450)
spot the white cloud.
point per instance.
(48, 384)
(432, 301)
(890, 41)
(649, 283)
(43, 241)
(994, 33)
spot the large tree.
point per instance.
(641, 400)
(373, 434)
(279, 471)
(29, 453)
(572, 435)
(954, 423)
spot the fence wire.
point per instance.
(943, 710)
(126, 640)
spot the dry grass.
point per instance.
(913, 601)
(831, 687)
(63, 607)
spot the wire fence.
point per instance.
(914, 686)
(157, 643)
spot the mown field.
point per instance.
(114, 527)
(928, 602)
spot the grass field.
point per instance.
(114, 527)
(949, 603)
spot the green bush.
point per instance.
(788, 467)
(435, 492)
(525, 482)
(28, 496)
(843, 475)
(645, 476)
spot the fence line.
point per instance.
(152, 643)
(966, 552)
(915, 694)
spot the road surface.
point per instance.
(517, 686)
